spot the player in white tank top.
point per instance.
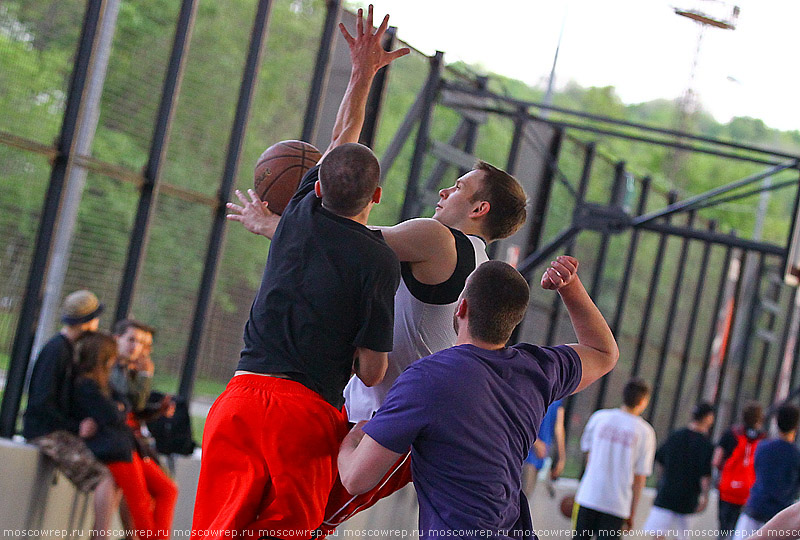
(423, 325)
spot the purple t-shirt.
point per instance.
(470, 415)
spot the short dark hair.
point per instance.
(349, 175)
(788, 417)
(93, 349)
(123, 325)
(702, 410)
(497, 297)
(506, 200)
(752, 415)
(634, 392)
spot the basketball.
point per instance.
(279, 170)
(567, 503)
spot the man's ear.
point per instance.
(376, 196)
(318, 189)
(480, 209)
(461, 308)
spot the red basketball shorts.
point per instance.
(269, 460)
(342, 506)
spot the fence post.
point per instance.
(217, 235)
(20, 351)
(158, 150)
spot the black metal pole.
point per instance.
(320, 69)
(713, 327)
(748, 340)
(411, 203)
(602, 250)
(377, 91)
(23, 337)
(651, 295)
(795, 210)
(784, 341)
(589, 116)
(670, 323)
(504, 111)
(616, 322)
(599, 268)
(774, 290)
(687, 204)
(795, 362)
(511, 164)
(158, 149)
(690, 330)
(580, 197)
(537, 258)
(232, 158)
(715, 237)
(539, 210)
(726, 357)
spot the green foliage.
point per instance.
(37, 44)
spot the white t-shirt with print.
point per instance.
(620, 445)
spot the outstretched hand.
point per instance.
(366, 50)
(254, 215)
(562, 272)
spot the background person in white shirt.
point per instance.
(621, 446)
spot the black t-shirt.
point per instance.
(50, 389)
(327, 289)
(686, 457)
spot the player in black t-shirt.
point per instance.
(325, 309)
(685, 458)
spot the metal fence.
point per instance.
(171, 134)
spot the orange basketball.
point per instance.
(279, 170)
(567, 503)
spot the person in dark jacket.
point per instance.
(150, 496)
(48, 422)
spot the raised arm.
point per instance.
(367, 57)
(596, 345)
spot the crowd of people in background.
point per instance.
(89, 398)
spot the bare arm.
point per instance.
(425, 243)
(560, 439)
(785, 524)
(705, 485)
(718, 459)
(596, 345)
(367, 57)
(370, 366)
(362, 461)
(638, 484)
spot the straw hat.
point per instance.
(80, 307)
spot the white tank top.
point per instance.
(423, 324)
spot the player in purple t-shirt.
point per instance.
(470, 413)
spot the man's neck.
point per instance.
(362, 217)
(465, 339)
(631, 410)
(788, 437)
(694, 426)
(468, 227)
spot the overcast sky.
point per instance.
(641, 47)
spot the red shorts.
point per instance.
(269, 460)
(342, 506)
